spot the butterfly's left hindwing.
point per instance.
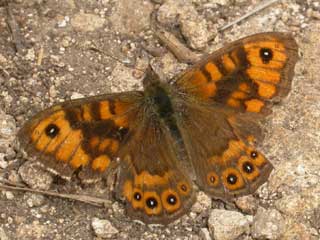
(84, 134)
(222, 149)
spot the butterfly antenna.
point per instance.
(258, 8)
(125, 62)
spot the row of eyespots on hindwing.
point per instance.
(248, 165)
(152, 203)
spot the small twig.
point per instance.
(6, 182)
(15, 30)
(179, 50)
(254, 11)
(81, 198)
(40, 56)
(182, 53)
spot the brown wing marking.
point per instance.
(84, 134)
(246, 74)
(154, 187)
(222, 149)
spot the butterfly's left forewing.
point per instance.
(85, 133)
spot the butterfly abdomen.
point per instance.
(162, 102)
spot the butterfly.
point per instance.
(200, 128)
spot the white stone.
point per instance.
(203, 203)
(268, 224)
(204, 234)
(103, 228)
(76, 95)
(228, 225)
(87, 22)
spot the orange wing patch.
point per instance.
(66, 150)
(212, 69)
(202, 81)
(101, 163)
(254, 105)
(105, 111)
(80, 158)
(115, 110)
(87, 115)
(228, 63)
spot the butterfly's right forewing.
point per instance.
(81, 134)
(246, 74)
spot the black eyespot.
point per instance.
(152, 202)
(52, 130)
(123, 132)
(172, 199)
(248, 167)
(266, 55)
(212, 179)
(232, 179)
(254, 154)
(183, 187)
(137, 196)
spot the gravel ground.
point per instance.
(64, 52)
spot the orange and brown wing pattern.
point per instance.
(245, 74)
(85, 133)
(223, 153)
(151, 180)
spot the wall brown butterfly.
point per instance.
(201, 127)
